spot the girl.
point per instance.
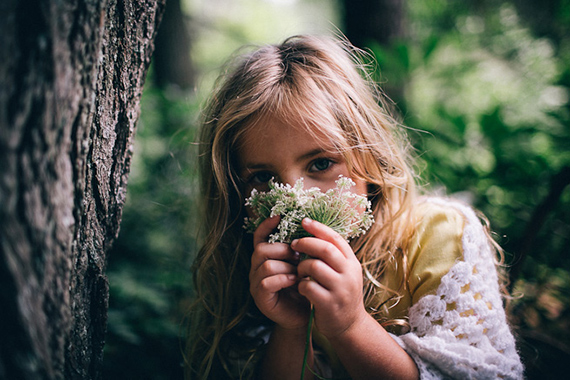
(418, 296)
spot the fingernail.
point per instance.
(307, 220)
(293, 243)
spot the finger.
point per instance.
(275, 251)
(321, 249)
(321, 231)
(272, 268)
(273, 284)
(314, 292)
(264, 229)
(320, 272)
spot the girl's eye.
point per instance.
(320, 164)
(260, 178)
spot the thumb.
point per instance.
(264, 229)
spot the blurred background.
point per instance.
(483, 86)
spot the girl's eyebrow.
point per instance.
(251, 167)
(311, 154)
(255, 166)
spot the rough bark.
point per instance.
(71, 77)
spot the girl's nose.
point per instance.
(292, 177)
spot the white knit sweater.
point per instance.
(461, 332)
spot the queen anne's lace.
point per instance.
(461, 332)
(346, 213)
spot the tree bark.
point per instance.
(71, 77)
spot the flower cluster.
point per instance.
(347, 213)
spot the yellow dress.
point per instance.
(434, 248)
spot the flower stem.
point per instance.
(307, 341)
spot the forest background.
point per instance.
(484, 86)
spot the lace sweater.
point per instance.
(459, 328)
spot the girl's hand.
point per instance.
(273, 277)
(333, 283)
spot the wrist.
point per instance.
(292, 332)
(361, 323)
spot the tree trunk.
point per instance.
(379, 21)
(381, 25)
(526, 244)
(171, 60)
(72, 73)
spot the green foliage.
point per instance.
(491, 99)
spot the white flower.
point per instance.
(348, 214)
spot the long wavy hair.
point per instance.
(323, 82)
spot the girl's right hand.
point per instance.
(273, 279)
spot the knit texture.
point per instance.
(461, 332)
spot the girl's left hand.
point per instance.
(332, 279)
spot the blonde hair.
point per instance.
(322, 82)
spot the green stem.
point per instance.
(307, 341)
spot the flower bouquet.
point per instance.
(346, 213)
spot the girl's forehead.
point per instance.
(277, 129)
(276, 140)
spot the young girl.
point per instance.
(417, 296)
